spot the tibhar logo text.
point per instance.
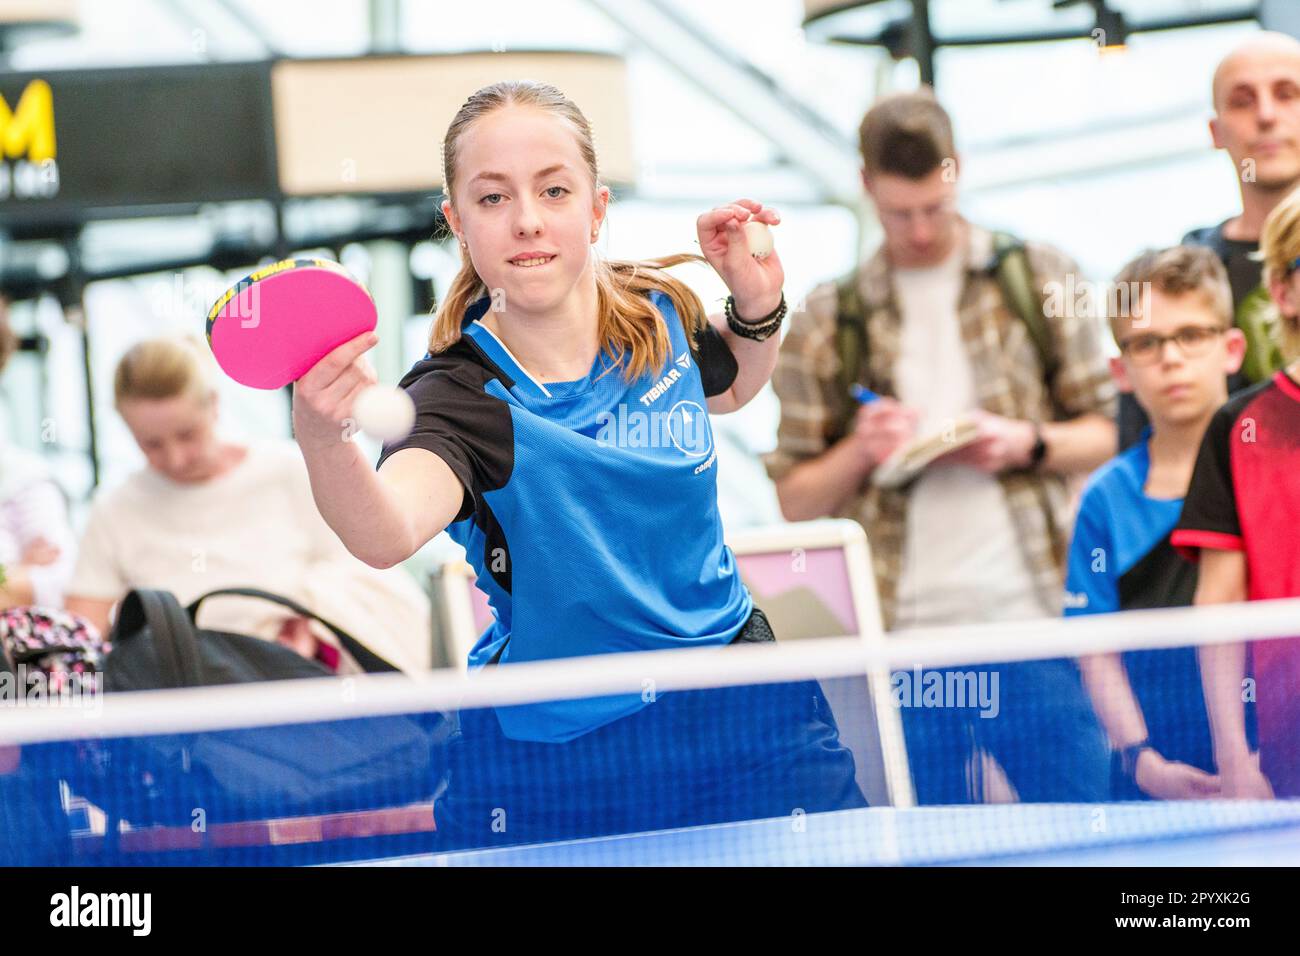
(657, 390)
(134, 910)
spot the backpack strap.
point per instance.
(1016, 281)
(172, 631)
(850, 344)
(368, 660)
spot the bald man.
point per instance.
(1256, 91)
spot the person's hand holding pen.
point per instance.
(881, 425)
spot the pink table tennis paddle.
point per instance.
(271, 327)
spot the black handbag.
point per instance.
(156, 644)
(252, 773)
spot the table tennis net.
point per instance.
(873, 734)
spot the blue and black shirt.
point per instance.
(1121, 560)
(590, 507)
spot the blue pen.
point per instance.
(862, 394)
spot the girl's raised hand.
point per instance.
(754, 282)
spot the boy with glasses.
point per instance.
(1177, 348)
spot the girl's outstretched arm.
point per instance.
(381, 517)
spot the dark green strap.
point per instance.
(850, 345)
(1016, 280)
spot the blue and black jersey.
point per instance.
(590, 506)
(1121, 560)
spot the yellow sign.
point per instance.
(28, 130)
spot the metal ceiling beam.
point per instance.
(384, 21)
(215, 18)
(1249, 10)
(923, 40)
(799, 133)
(1280, 15)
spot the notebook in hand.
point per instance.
(902, 467)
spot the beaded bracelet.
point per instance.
(758, 331)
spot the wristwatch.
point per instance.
(1128, 759)
(1039, 451)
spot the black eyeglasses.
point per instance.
(1192, 341)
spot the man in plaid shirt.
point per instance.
(981, 535)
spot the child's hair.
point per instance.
(627, 322)
(1178, 270)
(1279, 245)
(160, 369)
(906, 134)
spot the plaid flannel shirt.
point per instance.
(1009, 381)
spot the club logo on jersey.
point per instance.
(684, 360)
(684, 427)
(688, 426)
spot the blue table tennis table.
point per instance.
(1211, 833)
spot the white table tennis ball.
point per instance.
(384, 413)
(759, 238)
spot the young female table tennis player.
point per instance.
(562, 437)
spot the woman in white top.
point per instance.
(208, 513)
